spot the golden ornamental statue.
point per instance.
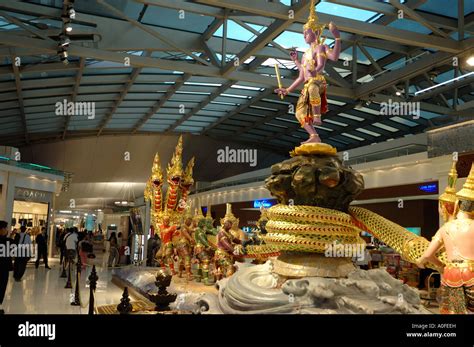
(179, 184)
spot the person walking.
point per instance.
(23, 241)
(5, 263)
(114, 253)
(42, 243)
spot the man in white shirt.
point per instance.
(71, 240)
(23, 238)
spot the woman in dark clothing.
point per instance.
(5, 262)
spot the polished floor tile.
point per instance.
(42, 291)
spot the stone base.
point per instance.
(256, 290)
(301, 264)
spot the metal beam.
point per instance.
(133, 76)
(75, 89)
(20, 98)
(261, 41)
(179, 83)
(24, 26)
(435, 91)
(238, 109)
(415, 16)
(280, 11)
(201, 105)
(151, 32)
(140, 61)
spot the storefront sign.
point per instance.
(25, 194)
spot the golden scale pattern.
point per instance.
(312, 229)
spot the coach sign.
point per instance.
(25, 194)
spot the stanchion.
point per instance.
(92, 286)
(77, 296)
(125, 306)
(68, 283)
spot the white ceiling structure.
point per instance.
(182, 80)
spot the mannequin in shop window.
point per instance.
(457, 237)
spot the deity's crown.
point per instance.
(467, 191)
(229, 216)
(449, 194)
(313, 20)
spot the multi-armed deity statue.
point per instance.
(457, 238)
(167, 215)
(312, 101)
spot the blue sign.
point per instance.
(429, 188)
(262, 203)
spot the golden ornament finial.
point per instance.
(229, 216)
(188, 173)
(175, 167)
(449, 194)
(467, 191)
(313, 20)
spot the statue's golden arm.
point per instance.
(410, 246)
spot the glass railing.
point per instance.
(33, 167)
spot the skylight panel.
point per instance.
(350, 116)
(353, 137)
(404, 121)
(368, 132)
(235, 96)
(345, 11)
(385, 127)
(335, 122)
(369, 110)
(238, 86)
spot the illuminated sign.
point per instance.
(429, 188)
(262, 203)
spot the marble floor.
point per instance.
(42, 291)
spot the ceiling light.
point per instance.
(124, 202)
(470, 60)
(68, 26)
(399, 93)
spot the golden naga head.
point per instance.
(156, 172)
(313, 20)
(467, 191)
(188, 180)
(174, 172)
(229, 216)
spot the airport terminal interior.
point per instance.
(236, 156)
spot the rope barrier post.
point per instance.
(125, 306)
(77, 297)
(92, 286)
